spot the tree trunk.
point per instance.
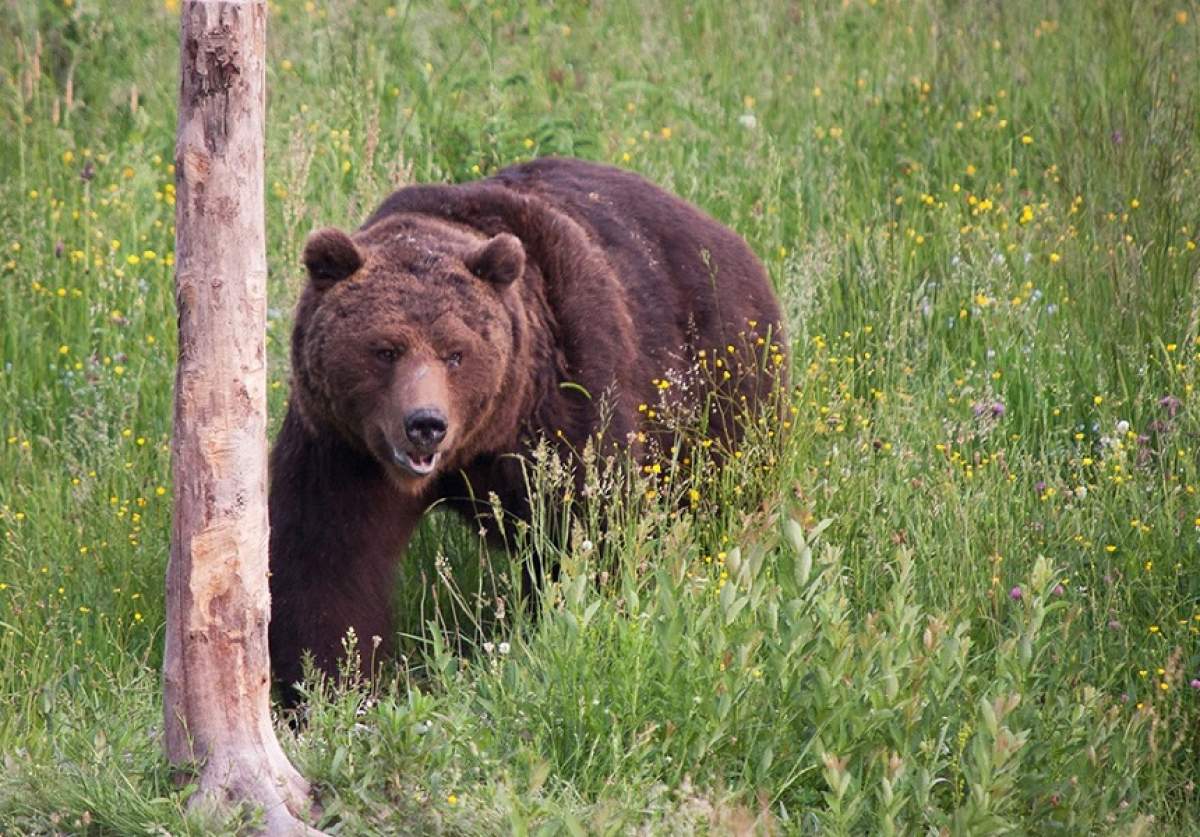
(216, 678)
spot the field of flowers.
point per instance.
(956, 590)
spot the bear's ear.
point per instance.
(330, 257)
(501, 260)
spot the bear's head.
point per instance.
(404, 341)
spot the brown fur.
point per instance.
(476, 304)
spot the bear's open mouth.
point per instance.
(419, 465)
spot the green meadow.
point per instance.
(953, 589)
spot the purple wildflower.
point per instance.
(1171, 404)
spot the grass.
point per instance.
(957, 593)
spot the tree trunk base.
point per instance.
(255, 776)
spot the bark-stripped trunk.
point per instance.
(216, 679)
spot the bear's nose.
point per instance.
(425, 427)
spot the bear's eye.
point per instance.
(387, 355)
(454, 360)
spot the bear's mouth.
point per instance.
(419, 465)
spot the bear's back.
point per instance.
(684, 272)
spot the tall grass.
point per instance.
(954, 588)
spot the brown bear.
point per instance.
(458, 326)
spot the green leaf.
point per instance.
(574, 387)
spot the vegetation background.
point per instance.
(956, 592)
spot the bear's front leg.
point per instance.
(338, 527)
